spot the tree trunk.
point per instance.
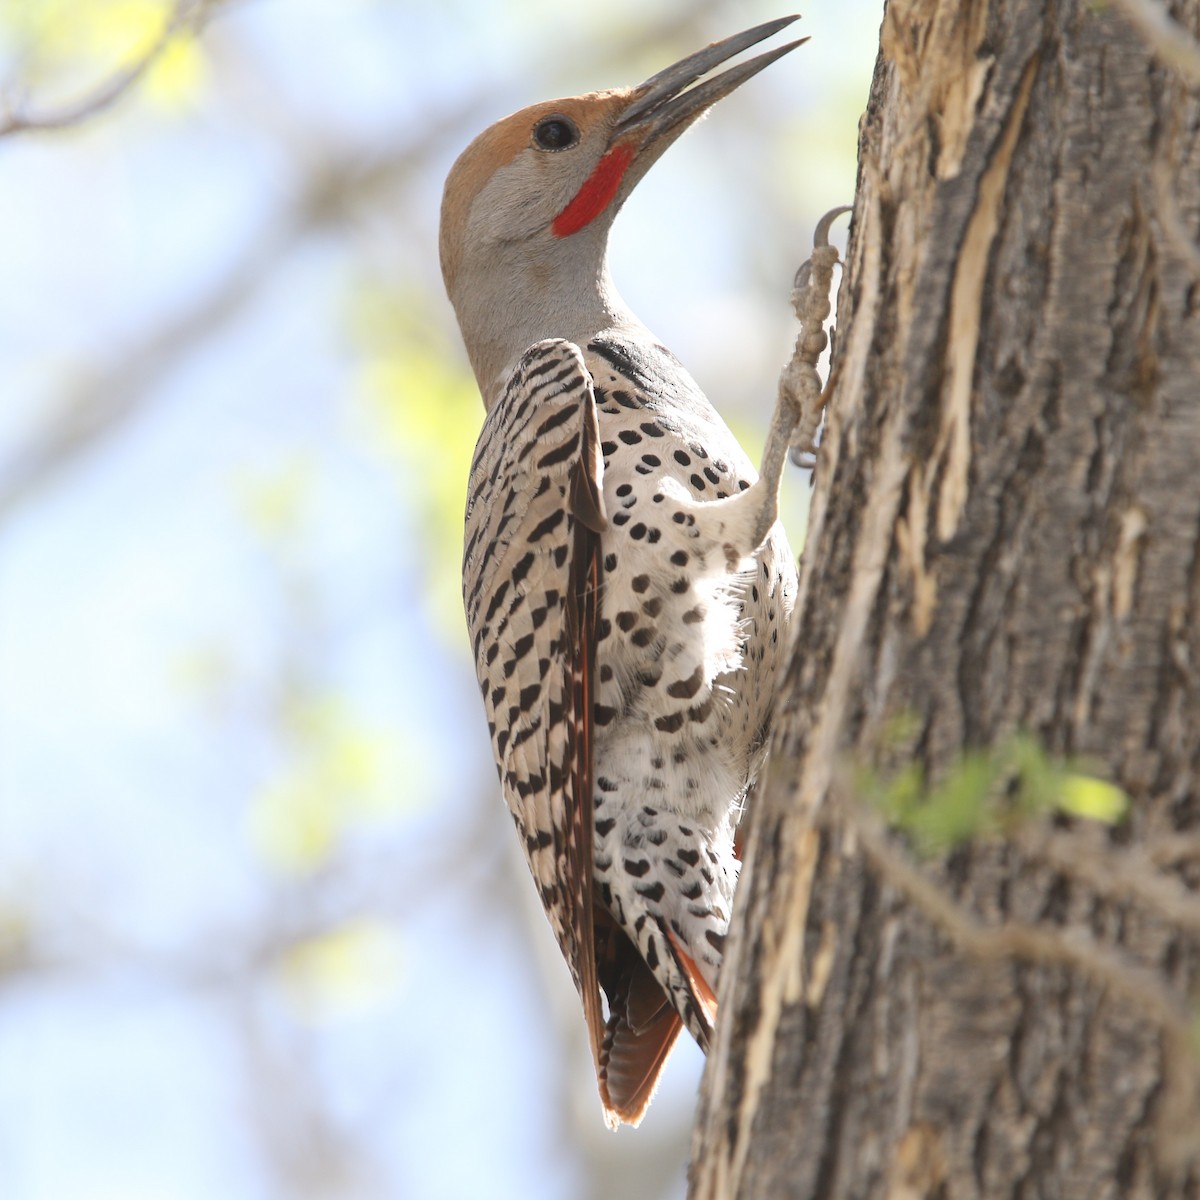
(1005, 539)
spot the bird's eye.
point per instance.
(555, 133)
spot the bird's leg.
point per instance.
(742, 521)
(798, 410)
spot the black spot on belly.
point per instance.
(685, 689)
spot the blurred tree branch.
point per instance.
(1170, 41)
(186, 18)
(335, 186)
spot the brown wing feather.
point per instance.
(531, 575)
(702, 995)
(582, 608)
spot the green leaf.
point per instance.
(1086, 796)
(958, 809)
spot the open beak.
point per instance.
(666, 103)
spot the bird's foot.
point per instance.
(801, 401)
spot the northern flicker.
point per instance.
(626, 584)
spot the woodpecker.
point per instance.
(627, 586)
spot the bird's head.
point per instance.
(528, 205)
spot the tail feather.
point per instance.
(640, 1032)
(645, 1015)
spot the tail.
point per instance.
(641, 1030)
(642, 1022)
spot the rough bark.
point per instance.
(1005, 537)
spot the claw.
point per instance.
(805, 456)
(801, 402)
(821, 233)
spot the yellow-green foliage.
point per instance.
(341, 972)
(65, 47)
(338, 777)
(421, 400)
(988, 793)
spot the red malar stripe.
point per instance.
(596, 194)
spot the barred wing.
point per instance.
(530, 577)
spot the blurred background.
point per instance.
(265, 931)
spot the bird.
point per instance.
(627, 586)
